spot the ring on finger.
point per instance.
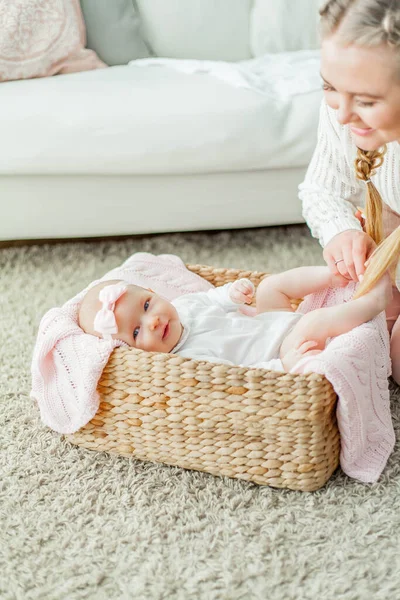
(338, 261)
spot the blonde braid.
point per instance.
(366, 164)
(362, 22)
(391, 25)
(386, 256)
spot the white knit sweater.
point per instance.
(331, 190)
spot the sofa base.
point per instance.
(80, 206)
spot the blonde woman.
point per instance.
(357, 158)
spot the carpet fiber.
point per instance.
(76, 524)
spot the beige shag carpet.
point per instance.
(76, 524)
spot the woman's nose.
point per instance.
(345, 112)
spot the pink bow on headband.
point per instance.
(104, 321)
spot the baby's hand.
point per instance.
(338, 280)
(295, 354)
(242, 291)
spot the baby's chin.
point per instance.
(173, 338)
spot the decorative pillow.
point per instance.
(199, 29)
(41, 38)
(113, 30)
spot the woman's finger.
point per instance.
(359, 257)
(370, 250)
(342, 269)
(334, 263)
(343, 278)
(331, 262)
(349, 263)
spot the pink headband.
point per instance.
(104, 321)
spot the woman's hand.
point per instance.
(347, 253)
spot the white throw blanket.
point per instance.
(279, 76)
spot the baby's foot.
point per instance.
(294, 355)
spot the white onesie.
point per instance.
(216, 331)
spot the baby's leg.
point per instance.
(393, 323)
(395, 351)
(277, 291)
(393, 310)
(324, 323)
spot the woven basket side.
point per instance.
(220, 276)
(270, 428)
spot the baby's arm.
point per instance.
(231, 295)
(277, 291)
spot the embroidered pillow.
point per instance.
(40, 38)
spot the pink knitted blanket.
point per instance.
(358, 365)
(67, 365)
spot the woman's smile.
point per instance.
(363, 85)
(362, 131)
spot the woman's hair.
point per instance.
(362, 22)
(368, 23)
(365, 165)
(385, 258)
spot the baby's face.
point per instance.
(146, 321)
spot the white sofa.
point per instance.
(129, 149)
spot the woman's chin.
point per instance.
(374, 141)
(367, 144)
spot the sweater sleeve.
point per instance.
(218, 296)
(331, 191)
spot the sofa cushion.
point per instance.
(41, 38)
(113, 30)
(151, 120)
(203, 29)
(283, 25)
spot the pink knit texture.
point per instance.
(67, 365)
(358, 366)
(40, 38)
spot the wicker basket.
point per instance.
(266, 427)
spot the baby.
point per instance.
(209, 325)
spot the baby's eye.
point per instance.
(136, 332)
(146, 304)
